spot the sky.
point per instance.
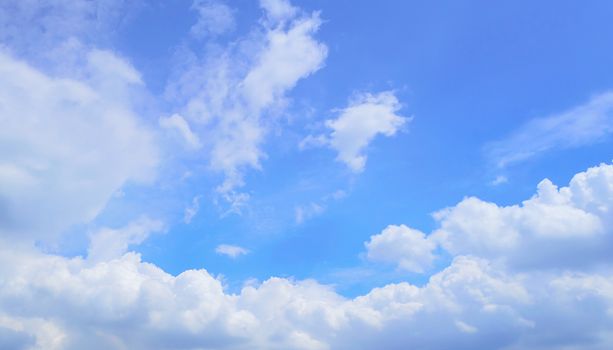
(210, 174)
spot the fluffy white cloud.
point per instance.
(408, 248)
(49, 302)
(229, 94)
(64, 143)
(53, 302)
(580, 126)
(231, 251)
(573, 223)
(367, 116)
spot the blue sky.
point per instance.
(369, 162)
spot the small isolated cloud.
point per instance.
(304, 212)
(367, 116)
(580, 126)
(231, 251)
(499, 180)
(179, 124)
(214, 18)
(405, 247)
(192, 210)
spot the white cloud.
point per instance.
(54, 302)
(107, 243)
(65, 142)
(408, 248)
(583, 125)
(178, 123)
(125, 303)
(214, 18)
(192, 210)
(229, 94)
(367, 116)
(573, 222)
(231, 251)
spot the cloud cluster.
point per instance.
(230, 96)
(536, 275)
(481, 300)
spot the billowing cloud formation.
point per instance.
(410, 249)
(478, 301)
(534, 276)
(367, 116)
(65, 141)
(228, 95)
(565, 226)
(580, 126)
(125, 303)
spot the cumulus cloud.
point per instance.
(573, 222)
(61, 303)
(580, 126)
(408, 248)
(65, 142)
(367, 116)
(230, 94)
(112, 299)
(231, 251)
(70, 144)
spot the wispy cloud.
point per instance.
(580, 126)
(232, 251)
(191, 210)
